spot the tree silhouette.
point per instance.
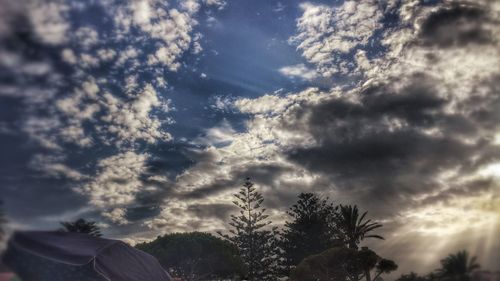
(353, 228)
(412, 276)
(82, 226)
(309, 231)
(458, 267)
(257, 245)
(384, 266)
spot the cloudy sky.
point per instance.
(146, 115)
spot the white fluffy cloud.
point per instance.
(86, 36)
(114, 119)
(117, 121)
(220, 135)
(49, 21)
(116, 183)
(300, 71)
(69, 56)
(326, 33)
(171, 26)
(217, 3)
(74, 107)
(133, 121)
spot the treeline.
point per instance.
(320, 241)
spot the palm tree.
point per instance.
(352, 228)
(458, 267)
(82, 226)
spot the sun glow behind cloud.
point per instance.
(492, 170)
(428, 233)
(497, 139)
(472, 223)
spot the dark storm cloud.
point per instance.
(470, 188)
(457, 25)
(171, 158)
(140, 213)
(259, 174)
(150, 202)
(391, 141)
(382, 148)
(218, 211)
(485, 107)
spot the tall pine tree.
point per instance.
(250, 233)
(309, 231)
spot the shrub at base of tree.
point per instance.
(342, 264)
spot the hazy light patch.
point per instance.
(496, 140)
(492, 170)
(221, 135)
(460, 215)
(433, 252)
(447, 225)
(492, 233)
(299, 176)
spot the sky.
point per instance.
(147, 115)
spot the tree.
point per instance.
(342, 264)
(384, 266)
(82, 226)
(310, 229)
(412, 276)
(433, 276)
(196, 256)
(369, 261)
(458, 267)
(353, 228)
(250, 234)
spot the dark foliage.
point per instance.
(457, 267)
(342, 264)
(82, 226)
(352, 227)
(196, 256)
(412, 276)
(256, 243)
(310, 229)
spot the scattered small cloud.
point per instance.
(299, 71)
